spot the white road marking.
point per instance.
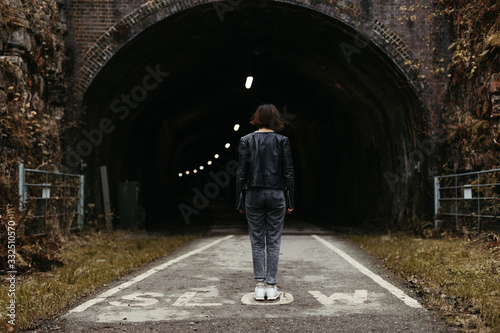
(359, 297)
(284, 298)
(186, 297)
(138, 297)
(384, 284)
(144, 275)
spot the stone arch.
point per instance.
(368, 28)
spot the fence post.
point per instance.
(105, 195)
(436, 200)
(22, 186)
(478, 204)
(81, 203)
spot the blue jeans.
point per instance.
(265, 211)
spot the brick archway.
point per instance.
(367, 28)
(345, 76)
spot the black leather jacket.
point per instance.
(265, 160)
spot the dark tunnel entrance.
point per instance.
(350, 118)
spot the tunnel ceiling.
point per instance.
(354, 116)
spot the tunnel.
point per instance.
(168, 101)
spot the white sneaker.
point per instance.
(260, 291)
(272, 292)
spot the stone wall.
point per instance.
(33, 85)
(471, 115)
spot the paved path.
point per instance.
(326, 285)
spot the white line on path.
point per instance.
(384, 284)
(144, 275)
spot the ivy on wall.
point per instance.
(472, 114)
(33, 98)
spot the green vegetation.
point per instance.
(90, 261)
(458, 276)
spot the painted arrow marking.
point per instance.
(359, 297)
(186, 297)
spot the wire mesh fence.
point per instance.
(53, 200)
(469, 200)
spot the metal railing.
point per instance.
(472, 195)
(56, 195)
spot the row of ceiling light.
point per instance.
(248, 85)
(216, 156)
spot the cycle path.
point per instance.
(326, 284)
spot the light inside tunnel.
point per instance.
(349, 123)
(248, 82)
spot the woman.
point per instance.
(265, 175)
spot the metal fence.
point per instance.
(471, 198)
(56, 198)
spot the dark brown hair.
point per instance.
(268, 116)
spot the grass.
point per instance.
(457, 276)
(91, 261)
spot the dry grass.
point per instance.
(458, 276)
(91, 261)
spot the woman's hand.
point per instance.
(289, 211)
(242, 211)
